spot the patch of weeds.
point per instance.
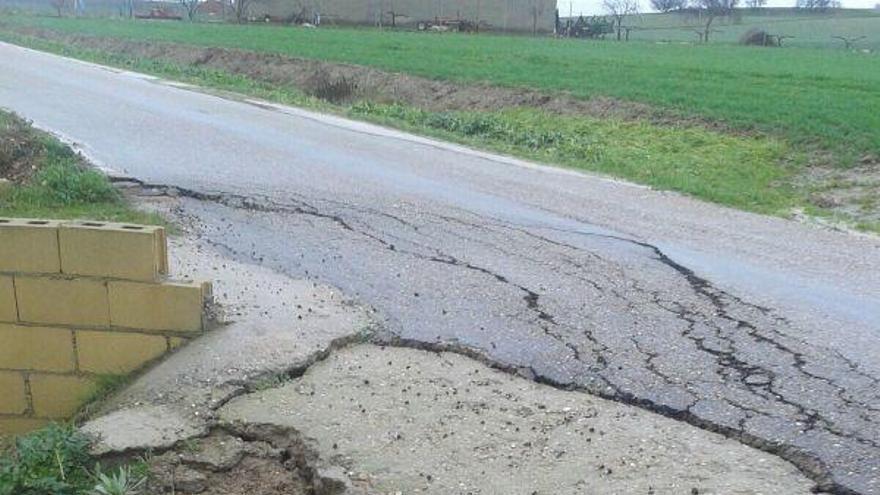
(56, 461)
(269, 382)
(126, 480)
(190, 445)
(63, 182)
(337, 90)
(49, 180)
(105, 387)
(745, 172)
(51, 461)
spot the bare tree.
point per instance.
(241, 10)
(668, 5)
(126, 8)
(709, 10)
(849, 42)
(59, 6)
(191, 7)
(618, 10)
(755, 4)
(817, 5)
(537, 10)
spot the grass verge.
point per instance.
(46, 179)
(737, 171)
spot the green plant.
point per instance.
(47, 462)
(54, 182)
(123, 481)
(64, 181)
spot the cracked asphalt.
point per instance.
(759, 328)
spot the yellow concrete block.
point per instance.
(36, 348)
(12, 396)
(131, 252)
(59, 397)
(62, 301)
(29, 245)
(8, 310)
(167, 306)
(18, 426)
(116, 352)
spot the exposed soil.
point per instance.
(21, 150)
(852, 192)
(252, 460)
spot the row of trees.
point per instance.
(707, 11)
(684, 5)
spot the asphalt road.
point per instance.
(764, 329)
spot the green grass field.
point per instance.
(810, 97)
(810, 30)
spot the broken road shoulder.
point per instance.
(290, 396)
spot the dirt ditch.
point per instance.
(346, 83)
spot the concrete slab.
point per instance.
(410, 421)
(272, 325)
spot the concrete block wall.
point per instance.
(80, 300)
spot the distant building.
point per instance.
(499, 15)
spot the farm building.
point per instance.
(501, 15)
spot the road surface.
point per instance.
(763, 329)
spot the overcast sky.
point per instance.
(595, 6)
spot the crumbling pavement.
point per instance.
(288, 396)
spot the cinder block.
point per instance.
(167, 306)
(116, 352)
(36, 348)
(19, 426)
(131, 252)
(62, 301)
(12, 392)
(29, 245)
(8, 310)
(58, 396)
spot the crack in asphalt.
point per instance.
(761, 388)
